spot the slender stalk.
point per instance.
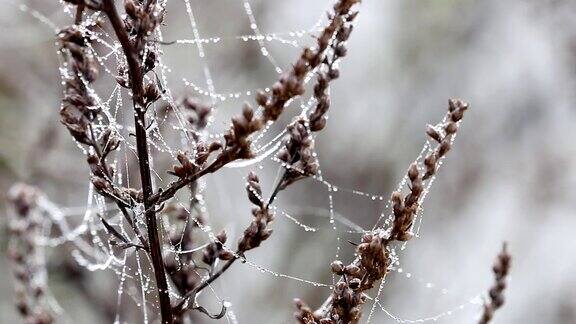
(136, 81)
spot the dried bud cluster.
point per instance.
(196, 112)
(330, 72)
(298, 153)
(140, 21)
(362, 274)
(373, 254)
(189, 165)
(405, 208)
(101, 178)
(216, 250)
(443, 135)
(26, 257)
(289, 85)
(237, 141)
(258, 230)
(374, 259)
(78, 108)
(501, 269)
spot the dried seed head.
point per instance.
(413, 172)
(444, 148)
(433, 133)
(131, 9)
(226, 255)
(354, 283)
(222, 237)
(352, 270)
(151, 92)
(261, 98)
(337, 267)
(451, 128)
(247, 112)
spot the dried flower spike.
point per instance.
(501, 270)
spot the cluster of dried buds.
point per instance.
(258, 231)
(405, 209)
(78, 108)
(373, 254)
(443, 134)
(25, 255)
(298, 154)
(501, 269)
(329, 72)
(140, 21)
(216, 250)
(237, 142)
(142, 18)
(347, 297)
(290, 85)
(190, 165)
(197, 113)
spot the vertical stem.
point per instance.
(136, 80)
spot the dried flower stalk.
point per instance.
(25, 225)
(501, 270)
(373, 254)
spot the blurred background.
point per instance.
(511, 174)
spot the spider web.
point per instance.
(81, 229)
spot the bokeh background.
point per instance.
(511, 175)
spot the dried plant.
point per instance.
(141, 206)
(501, 270)
(375, 253)
(27, 259)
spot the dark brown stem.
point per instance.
(78, 16)
(136, 81)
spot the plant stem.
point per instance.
(136, 81)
